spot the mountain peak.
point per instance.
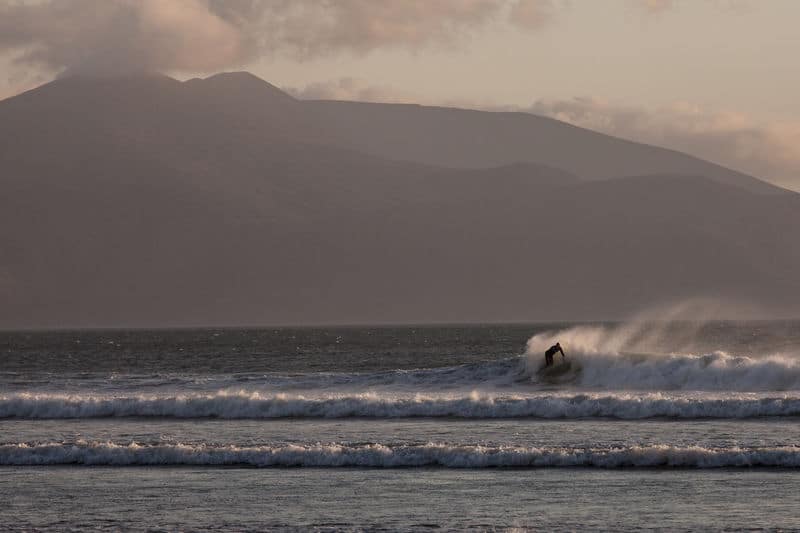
(240, 84)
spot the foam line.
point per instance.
(244, 404)
(386, 456)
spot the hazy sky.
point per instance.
(714, 78)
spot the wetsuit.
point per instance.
(548, 355)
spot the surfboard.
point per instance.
(559, 372)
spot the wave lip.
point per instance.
(619, 359)
(387, 456)
(254, 405)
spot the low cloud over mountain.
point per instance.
(116, 36)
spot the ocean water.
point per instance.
(650, 425)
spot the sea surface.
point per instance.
(644, 425)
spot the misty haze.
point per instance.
(502, 260)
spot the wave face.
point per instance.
(387, 456)
(628, 357)
(254, 405)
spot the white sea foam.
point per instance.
(475, 405)
(621, 358)
(387, 456)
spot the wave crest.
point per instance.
(243, 404)
(618, 359)
(387, 456)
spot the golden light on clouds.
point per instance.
(728, 66)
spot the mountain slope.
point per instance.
(142, 202)
(463, 138)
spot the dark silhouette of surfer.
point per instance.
(548, 355)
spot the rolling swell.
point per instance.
(387, 456)
(254, 405)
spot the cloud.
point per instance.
(307, 28)
(530, 14)
(118, 35)
(657, 7)
(352, 89)
(359, 90)
(15, 80)
(206, 35)
(766, 149)
(113, 36)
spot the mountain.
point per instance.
(145, 201)
(475, 139)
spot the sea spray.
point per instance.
(616, 358)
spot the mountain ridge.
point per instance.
(421, 143)
(142, 204)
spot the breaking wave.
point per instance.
(632, 357)
(255, 405)
(387, 456)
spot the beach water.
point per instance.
(677, 425)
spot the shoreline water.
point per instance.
(401, 428)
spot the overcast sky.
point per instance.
(716, 78)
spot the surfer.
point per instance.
(548, 355)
